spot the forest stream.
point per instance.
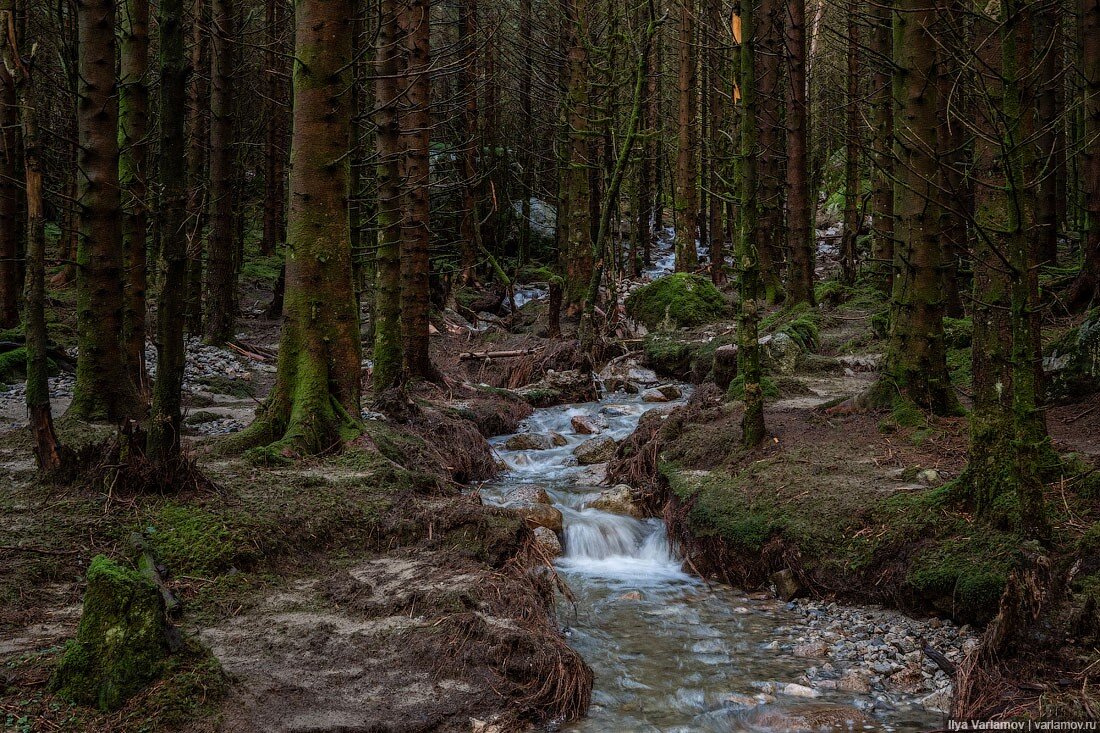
(669, 652)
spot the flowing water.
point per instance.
(669, 653)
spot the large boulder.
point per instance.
(588, 424)
(559, 388)
(680, 300)
(1072, 363)
(618, 499)
(539, 515)
(780, 353)
(627, 376)
(121, 642)
(595, 450)
(543, 219)
(724, 368)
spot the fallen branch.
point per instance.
(475, 355)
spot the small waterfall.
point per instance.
(613, 546)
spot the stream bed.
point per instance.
(669, 652)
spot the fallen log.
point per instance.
(473, 355)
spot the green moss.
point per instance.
(228, 386)
(193, 541)
(736, 389)
(970, 571)
(200, 417)
(262, 270)
(13, 366)
(121, 643)
(958, 332)
(668, 355)
(680, 300)
(959, 366)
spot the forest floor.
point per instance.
(370, 590)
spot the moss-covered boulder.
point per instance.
(121, 643)
(680, 301)
(1073, 361)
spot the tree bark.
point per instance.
(770, 176)
(315, 401)
(576, 193)
(388, 345)
(220, 308)
(11, 196)
(415, 232)
(133, 128)
(800, 234)
(687, 172)
(882, 203)
(1086, 288)
(916, 357)
(274, 231)
(103, 389)
(747, 262)
(851, 149)
(198, 132)
(163, 438)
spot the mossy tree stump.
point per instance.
(122, 640)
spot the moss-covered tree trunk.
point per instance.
(388, 344)
(315, 401)
(916, 366)
(800, 234)
(747, 262)
(220, 308)
(163, 439)
(415, 230)
(133, 133)
(687, 135)
(104, 389)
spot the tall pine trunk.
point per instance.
(163, 439)
(882, 202)
(198, 137)
(916, 357)
(11, 196)
(133, 129)
(103, 389)
(800, 234)
(415, 229)
(575, 191)
(220, 308)
(687, 172)
(274, 231)
(745, 258)
(1086, 288)
(315, 401)
(388, 344)
(767, 60)
(852, 181)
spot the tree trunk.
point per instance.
(916, 356)
(851, 149)
(687, 173)
(527, 157)
(103, 389)
(954, 185)
(220, 308)
(882, 205)
(1086, 288)
(1050, 136)
(11, 197)
(770, 177)
(163, 439)
(720, 105)
(274, 231)
(133, 128)
(388, 345)
(469, 234)
(415, 232)
(47, 448)
(315, 401)
(800, 233)
(577, 249)
(747, 263)
(198, 136)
